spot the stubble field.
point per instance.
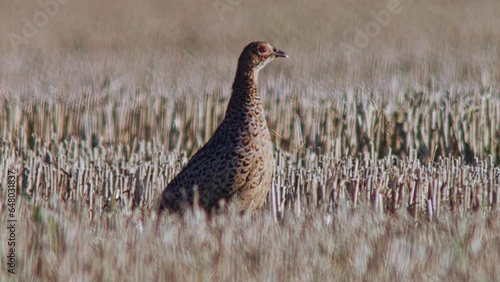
(385, 121)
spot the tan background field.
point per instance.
(196, 44)
(386, 157)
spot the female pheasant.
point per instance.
(236, 164)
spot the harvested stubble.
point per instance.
(110, 178)
(465, 123)
(63, 243)
(388, 159)
(360, 203)
(329, 215)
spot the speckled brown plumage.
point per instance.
(237, 162)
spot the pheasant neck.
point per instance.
(244, 97)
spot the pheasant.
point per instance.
(236, 164)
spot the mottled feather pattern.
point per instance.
(236, 164)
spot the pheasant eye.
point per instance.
(262, 50)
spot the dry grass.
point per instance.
(386, 159)
(64, 244)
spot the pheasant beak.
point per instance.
(279, 53)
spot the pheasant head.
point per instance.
(257, 54)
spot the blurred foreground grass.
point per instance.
(65, 244)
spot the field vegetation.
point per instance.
(387, 158)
